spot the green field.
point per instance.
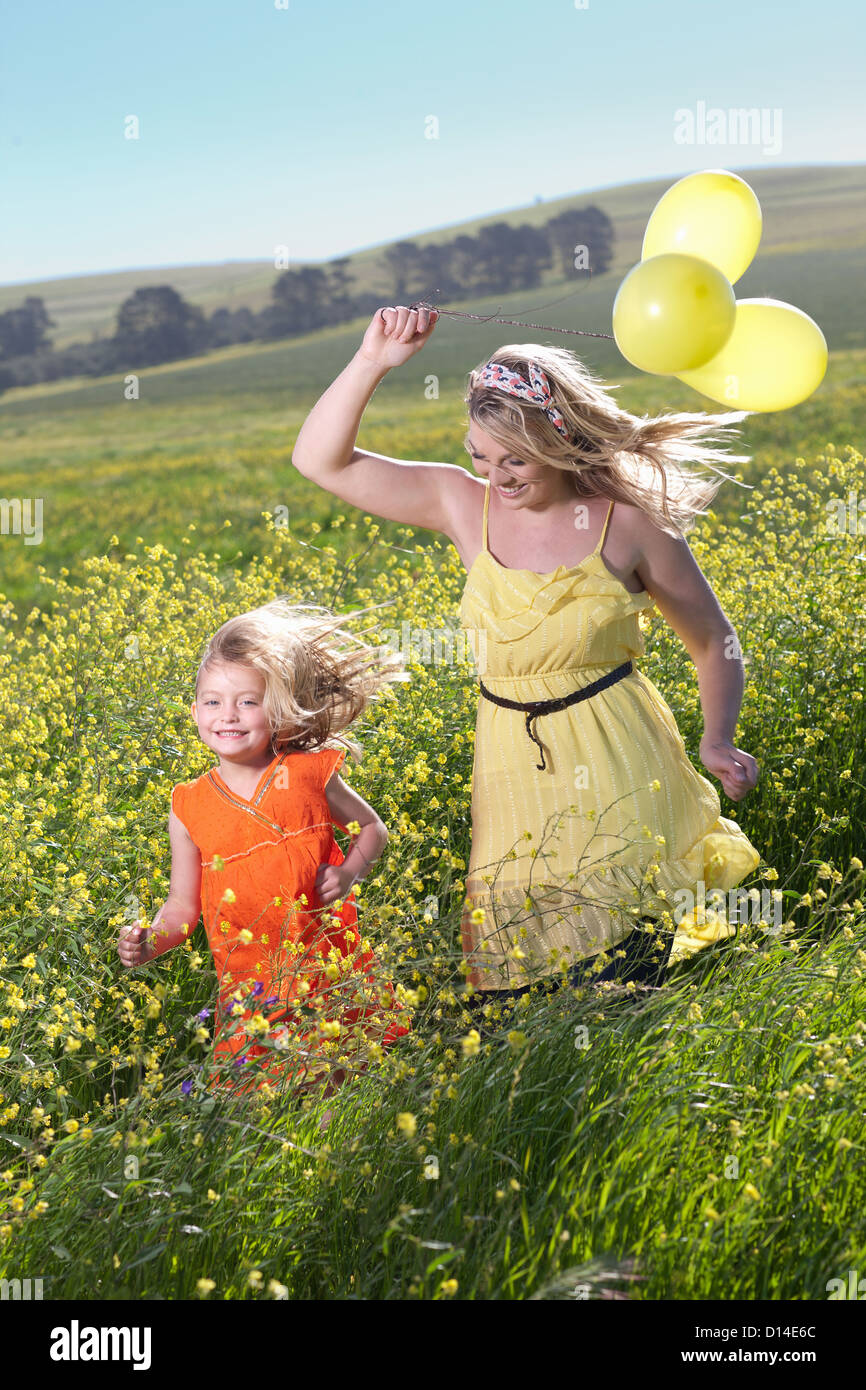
(210, 440)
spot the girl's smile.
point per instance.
(228, 691)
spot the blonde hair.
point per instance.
(647, 462)
(318, 678)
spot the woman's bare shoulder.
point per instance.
(637, 524)
(464, 507)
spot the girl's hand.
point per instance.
(395, 335)
(134, 945)
(332, 882)
(736, 770)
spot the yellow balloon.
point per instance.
(714, 215)
(775, 358)
(672, 313)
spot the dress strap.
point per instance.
(598, 548)
(486, 501)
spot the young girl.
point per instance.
(589, 822)
(253, 847)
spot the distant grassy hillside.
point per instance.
(813, 252)
(210, 439)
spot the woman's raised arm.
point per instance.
(428, 495)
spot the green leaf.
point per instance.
(441, 1260)
(150, 1252)
(20, 1141)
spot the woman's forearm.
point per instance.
(720, 683)
(327, 438)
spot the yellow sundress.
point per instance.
(564, 860)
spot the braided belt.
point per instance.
(534, 708)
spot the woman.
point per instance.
(613, 811)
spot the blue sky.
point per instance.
(305, 126)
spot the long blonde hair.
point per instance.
(647, 462)
(318, 677)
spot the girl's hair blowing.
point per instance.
(645, 462)
(318, 678)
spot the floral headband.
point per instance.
(536, 390)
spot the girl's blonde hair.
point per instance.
(318, 678)
(645, 462)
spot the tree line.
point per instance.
(155, 324)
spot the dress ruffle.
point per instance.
(509, 611)
(596, 911)
(725, 856)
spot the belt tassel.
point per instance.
(533, 708)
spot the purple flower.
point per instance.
(239, 1061)
(205, 1013)
(186, 1087)
(272, 999)
(257, 988)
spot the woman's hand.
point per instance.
(333, 882)
(134, 945)
(736, 770)
(397, 334)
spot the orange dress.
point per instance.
(292, 972)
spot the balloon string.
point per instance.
(518, 323)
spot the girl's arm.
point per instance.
(177, 918)
(345, 806)
(428, 495)
(670, 573)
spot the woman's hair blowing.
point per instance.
(643, 461)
